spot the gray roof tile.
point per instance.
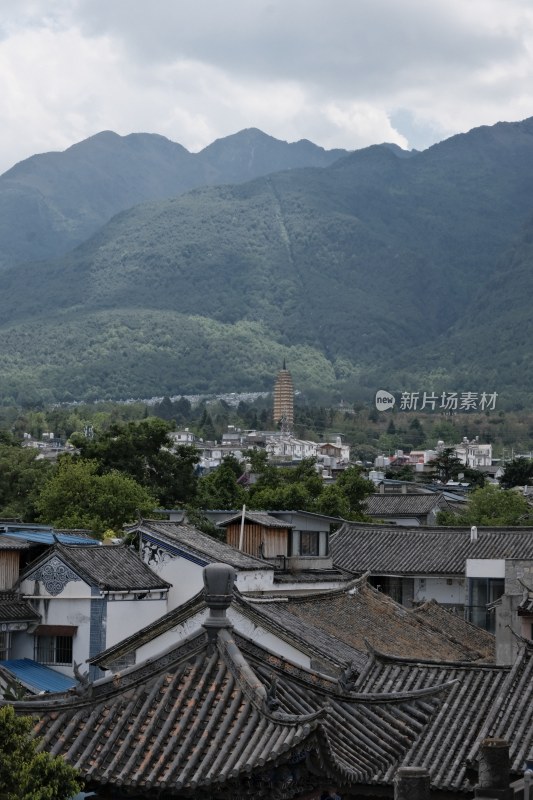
(383, 550)
(193, 541)
(201, 716)
(14, 609)
(112, 568)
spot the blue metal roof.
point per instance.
(47, 537)
(36, 677)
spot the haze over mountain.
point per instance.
(379, 268)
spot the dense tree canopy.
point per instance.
(26, 774)
(518, 472)
(219, 489)
(77, 496)
(492, 505)
(286, 488)
(22, 475)
(145, 451)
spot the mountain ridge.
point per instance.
(373, 270)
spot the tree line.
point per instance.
(135, 468)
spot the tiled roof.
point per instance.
(203, 716)
(111, 568)
(364, 618)
(383, 550)
(486, 701)
(8, 543)
(403, 504)
(259, 517)
(456, 629)
(526, 604)
(316, 643)
(14, 609)
(189, 539)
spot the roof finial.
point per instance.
(219, 580)
(284, 364)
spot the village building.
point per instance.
(178, 552)
(19, 545)
(87, 598)
(219, 716)
(321, 630)
(461, 568)
(409, 509)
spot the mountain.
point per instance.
(52, 202)
(405, 271)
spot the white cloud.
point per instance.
(337, 72)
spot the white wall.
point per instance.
(241, 624)
(450, 591)
(187, 577)
(267, 639)
(127, 616)
(485, 568)
(60, 611)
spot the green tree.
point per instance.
(77, 496)
(491, 506)
(21, 476)
(518, 472)
(446, 466)
(145, 451)
(356, 489)
(333, 502)
(220, 489)
(26, 774)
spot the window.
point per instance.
(309, 543)
(53, 649)
(482, 593)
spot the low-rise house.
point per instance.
(183, 437)
(178, 552)
(307, 534)
(208, 717)
(17, 616)
(320, 630)
(219, 716)
(368, 620)
(410, 509)
(474, 454)
(461, 568)
(87, 598)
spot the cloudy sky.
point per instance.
(343, 73)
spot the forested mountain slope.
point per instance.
(375, 268)
(51, 202)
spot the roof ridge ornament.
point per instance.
(219, 580)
